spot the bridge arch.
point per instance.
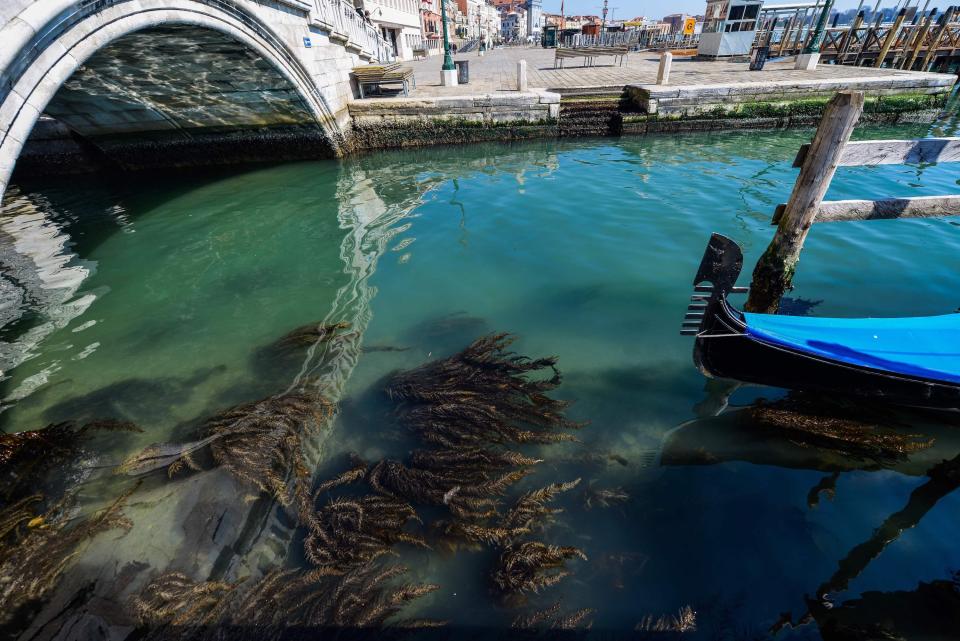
(50, 41)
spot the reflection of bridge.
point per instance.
(165, 81)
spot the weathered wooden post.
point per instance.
(663, 74)
(787, 34)
(890, 38)
(918, 41)
(942, 28)
(773, 274)
(522, 75)
(849, 37)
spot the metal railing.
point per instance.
(342, 19)
(469, 45)
(641, 38)
(609, 39)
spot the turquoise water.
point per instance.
(149, 300)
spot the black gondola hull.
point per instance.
(725, 349)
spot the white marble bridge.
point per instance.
(161, 82)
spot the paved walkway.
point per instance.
(497, 71)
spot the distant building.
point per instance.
(432, 26)
(674, 22)
(534, 18)
(513, 25)
(398, 21)
(478, 19)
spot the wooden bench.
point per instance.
(589, 53)
(419, 53)
(388, 74)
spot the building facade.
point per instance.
(513, 25)
(398, 21)
(534, 18)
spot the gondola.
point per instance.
(906, 361)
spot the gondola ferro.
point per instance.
(909, 361)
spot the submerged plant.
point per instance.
(310, 334)
(684, 621)
(553, 619)
(464, 500)
(36, 548)
(817, 423)
(532, 566)
(482, 395)
(25, 457)
(349, 532)
(175, 599)
(603, 497)
(325, 598)
(259, 443)
(469, 407)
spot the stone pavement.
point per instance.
(497, 71)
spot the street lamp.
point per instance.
(811, 53)
(448, 72)
(817, 39)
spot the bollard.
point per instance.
(522, 75)
(663, 74)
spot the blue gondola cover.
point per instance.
(926, 347)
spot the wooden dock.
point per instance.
(932, 44)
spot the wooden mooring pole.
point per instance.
(773, 275)
(890, 38)
(942, 28)
(918, 42)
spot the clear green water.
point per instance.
(147, 300)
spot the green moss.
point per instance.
(812, 107)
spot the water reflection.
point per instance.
(253, 328)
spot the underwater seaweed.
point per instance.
(175, 599)
(260, 443)
(529, 514)
(552, 618)
(349, 532)
(31, 562)
(25, 457)
(532, 566)
(309, 334)
(464, 500)
(684, 621)
(482, 395)
(603, 497)
(812, 422)
(323, 598)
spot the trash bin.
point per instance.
(758, 57)
(463, 71)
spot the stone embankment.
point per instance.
(404, 122)
(637, 109)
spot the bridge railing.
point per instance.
(345, 24)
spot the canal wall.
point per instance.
(637, 110)
(733, 99)
(406, 122)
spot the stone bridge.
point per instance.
(141, 83)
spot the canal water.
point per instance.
(154, 299)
